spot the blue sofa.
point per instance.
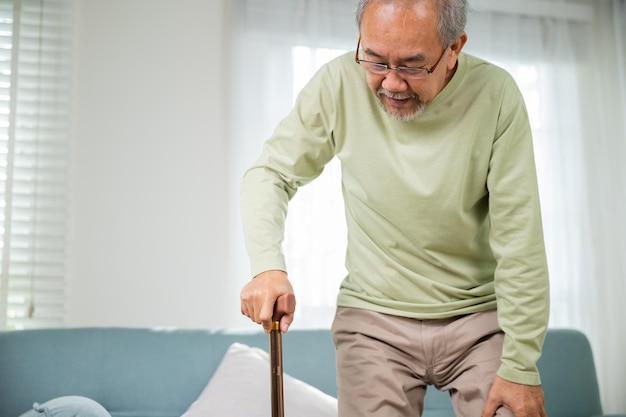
(159, 373)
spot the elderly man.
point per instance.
(447, 279)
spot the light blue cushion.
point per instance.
(70, 406)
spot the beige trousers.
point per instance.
(385, 363)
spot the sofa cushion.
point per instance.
(240, 387)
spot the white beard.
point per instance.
(401, 117)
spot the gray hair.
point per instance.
(452, 16)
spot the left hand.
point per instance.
(521, 400)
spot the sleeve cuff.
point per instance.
(519, 377)
(278, 263)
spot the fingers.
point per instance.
(490, 408)
(493, 403)
(259, 296)
(521, 400)
(258, 308)
(265, 316)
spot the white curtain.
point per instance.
(603, 292)
(277, 45)
(569, 60)
(575, 70)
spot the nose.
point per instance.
(394, 82)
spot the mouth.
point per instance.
(400, 106)
(396, 99)
(397, 102)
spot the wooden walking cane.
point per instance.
(285, 304)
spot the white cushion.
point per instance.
(240, 387)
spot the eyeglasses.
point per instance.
(413, 73)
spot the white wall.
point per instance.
(149, 210)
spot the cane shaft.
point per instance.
(276, 359)
(285, 304)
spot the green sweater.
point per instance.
(442, 212)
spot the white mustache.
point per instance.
(396, 96)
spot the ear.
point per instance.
(455, 50)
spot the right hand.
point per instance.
(259, 296)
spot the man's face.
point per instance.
(400, 35)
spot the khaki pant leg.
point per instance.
(385, 362)
(473, 346)
(378, 371)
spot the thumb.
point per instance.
(285, 322)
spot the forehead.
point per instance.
(388, 26)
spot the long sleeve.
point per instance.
(516, 238)
(295, 154)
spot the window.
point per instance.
(317, 214)
(35, 38)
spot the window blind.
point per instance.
(35, 39)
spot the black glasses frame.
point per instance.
(383, 69)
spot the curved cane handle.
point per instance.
(285, 304)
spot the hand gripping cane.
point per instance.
(285, 304)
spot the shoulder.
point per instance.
(342, 69)
(489, 79)
(478, 69)
(340, 81)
